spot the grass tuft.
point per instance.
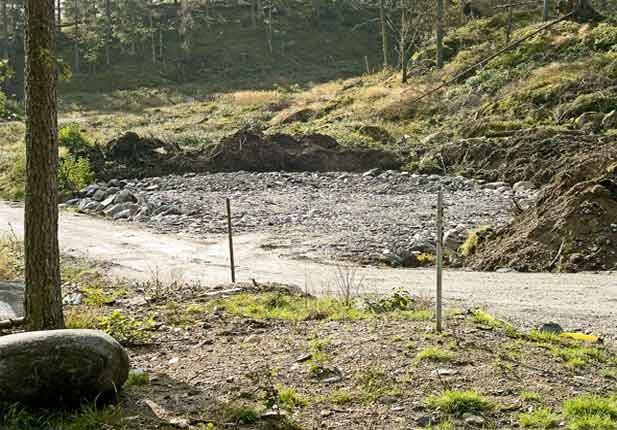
(457, 403)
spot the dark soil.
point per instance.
(131, 155)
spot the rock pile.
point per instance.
(372, 217)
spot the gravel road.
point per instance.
(576, 301)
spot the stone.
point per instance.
(89, 190)
(454, 238)
(60, 367)
(108, 201)
(523, 187)
(100, 195)
(473, 420)
(125, 196)
(551, 327)
(73, 299)
(91, 207)
(610, 120)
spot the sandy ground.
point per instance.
(576, 301)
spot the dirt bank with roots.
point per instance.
(573, 225)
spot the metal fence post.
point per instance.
(231, 242)
(438, 310)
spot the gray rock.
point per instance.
(125, 196)
(120, 207)
(60, 367)
(473, 420)
(455, 237)
(108, 201)
(73, 299)
(551, 327)
(89, 190)
(91, 207)
(125, 214)
(100, 195)
(523, 187)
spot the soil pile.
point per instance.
(131, 155)
(573, 225)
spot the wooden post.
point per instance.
(439, 264)
(368, 68)
(231, 243)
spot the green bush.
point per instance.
(74, 173)
(71, 137)
(12, 175)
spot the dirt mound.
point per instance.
(572, 227)
(131, 155)
(536, 155)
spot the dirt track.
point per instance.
(576, 301)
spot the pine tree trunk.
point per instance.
(59, 13)
(384, 34)
(43, 301)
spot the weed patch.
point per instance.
(458, 403)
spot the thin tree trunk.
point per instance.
(59, 13)
(76, 37)
(545, 10)
(253, 12)
(384, 34)
(403, 43)
(269, 30)
(5, 31)
(161, 45)
(43, 300)
(108, 32)
(439, 33)
(152, 43)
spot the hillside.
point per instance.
(538, 113)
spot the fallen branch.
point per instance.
(11, 323)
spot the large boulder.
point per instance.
(60, 367)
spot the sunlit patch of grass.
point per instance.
(457, 403)
(531, 396)
(374, 383)
(542, 419)
(435, 354)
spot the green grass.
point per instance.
(297, 308)
(531, 396)
(375, 383)
(542, 418)
(435, 354)
(240, 414)
(457, 403)
(137, 379)
(340, 397)
(289, 399)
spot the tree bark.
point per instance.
(5, 31)
(403, 42)
(545, 10)
(384, 34)
(76, 37)
(108, 32)
(152, 38)
(43, 301)
(439, 33)
(59, 13)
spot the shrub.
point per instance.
(71, 137)
(74, 173)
